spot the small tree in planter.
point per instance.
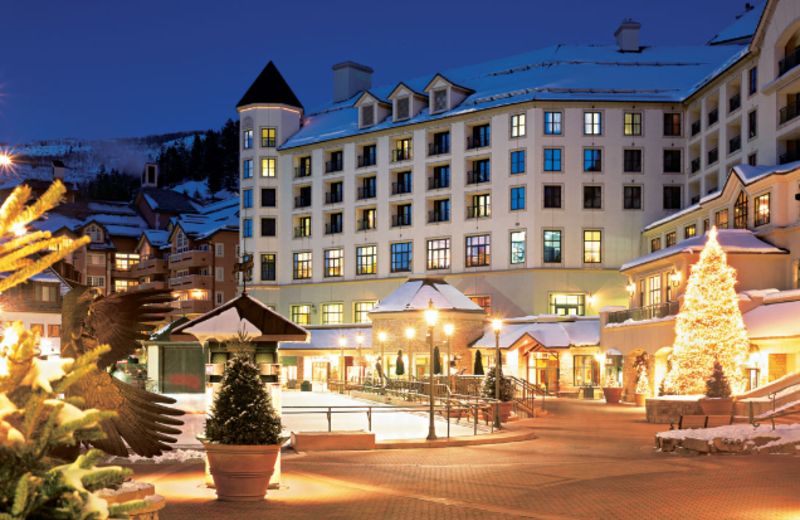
(243, 434)
(399, 366)
(612, 390)
(506, 392)
(477, 369)
(718, 393)
(642, 381)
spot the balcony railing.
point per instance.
(788, 63)
(695, 165)
(191, 281)
(194, 258)
(192, 306)
(438, 148)
(302, 171)
(790, 156)
(367, 192)
(302, 231)
(438, 216)
(436, 183)
(713, 117)
(478, 141)
(399, 188)
(696, 126)
(713, 156)
(401, 155)
(333, 197)
(401, 220)
(334, 166)
(661, 310)
(333, 229)
(735, 144)
(151, 266)
(366, 224)
(695, 199)
(302, 202)
(366, 160)
(478, 177)
(788, 113)
(482, 211)
(734, 103)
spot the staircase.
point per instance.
(777, 402)
(525, 398)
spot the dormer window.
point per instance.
(94, 232)
(403, 107)
(181, 242)
(367, 116)
(440, 100)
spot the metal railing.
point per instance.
(788, 63)
(482, 211)
(734, 103)
(713, 156)
(333, 229)
(695, 165)
(399, 188)
(713, 117)
(696, 126)
(401, 220)
(478, 141)
(435, 183)
(334, 166)
(788, 113)
(366, 224)
(478, 177)
(660, 310)
(366, 193)
(302, 171)
(438, 149)
(333, 197)
(695, 199)
(401, 155)
(438, 216)
(790, 156)
(735, 144)
(302, 202)
(367, 160)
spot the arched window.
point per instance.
(740, 212)
(94, 232)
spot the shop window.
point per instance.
(568, 304)
(586, 371)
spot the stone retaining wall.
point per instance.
(665, 411)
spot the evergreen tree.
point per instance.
(709, 327)
(642, 381)
(399, 366)
(437, 360)
(242, 413)
(477, 369)
(717, 386)
(229, 145)
(506, 388)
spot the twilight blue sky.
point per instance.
(101, 69)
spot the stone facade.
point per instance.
(666, 411)
(629, 375)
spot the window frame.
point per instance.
(247, 198)
(598, 241)
(438, 255)
(553, 125)
(478, 254)
(269, 165)
(519, 124)
(598, 189)
(545, 198)
(598, 161)
(333, 265)
(546, 241)
(670, 125)
(515, 248)
(625, 162)
(247, 169)
(687, 234)
(741, 211)
(294, 313)
(633, 124)
(359, 312)
(679, 200)
(596, 123)
(515, 163)
(520, 201)
(327, 312)
(762, 218)
(267, 140)
(247, 139)
(265, 269)
(626, 198)
(405, 257)
(366, 260)
(552, 159)
(302, 268)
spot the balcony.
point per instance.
(695, 199)
(734, 103)
(366, 224)
(398, 188)
(158, 284)
(713, 156)
(438, 216)
(302, 231)
(788, 113)
(190, 282)
(437, 183)
(129, 273)
(790, 156)
(438, 149)
(333, 197)
(334, 166)
(483, 211)
(696, 126)
(302, 202)
(735, 144)
(788, 63)
(401, 155)
(367, 192)
(661, 310)
(713, 117)
(151, 266)
(333, 229)
(196, 258)
(401, 220)
(191, 307)
(478, 141)
(695, 165)
(367, 160)
(302, 171)
(478, 177)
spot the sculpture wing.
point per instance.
(119, 320)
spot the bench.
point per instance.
(690, 422)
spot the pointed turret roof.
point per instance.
(270, 87)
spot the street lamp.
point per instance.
(448, 333)
(5, 161)
(497, 324)
(382, 338)
(430, 317)
(341, 366)
(359, 341)
(410, 336)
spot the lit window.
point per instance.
(552, 246)
(334, 259)
(96, 260)
(181, 242)
(96, 281)
(247, 139)
(654, 290)
(655, 244)
(592, 123)
(518, 125)
(332, 313)
(94, 233)
(268, 267)
(366, 259)
(478, 250)
(124, 285)
(268, 138)
(301, 314)
(762, 209)
(552, 123)
(484, 302)
(518, 247)
(690, 231)
(633, 123)
(568, 304)
(47, 293)
(401, 257)
(268, 166)
(124, 261)
(670, 239)
(54, 331)
(439, 253)
(721, 219)
(302, 265)
(592, 241)
(361, 311)
(740, 212)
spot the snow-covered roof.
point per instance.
(419, 290)
(731, 241)
(548, 331)
(744, 27)
(169, 201)
(157, 237)
(327, 338)
(222, 215)
(776, 317)
(561, 72)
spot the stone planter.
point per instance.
(241, 473)
(505, 412)
(717, 406)
(612, 394)
(640, 399)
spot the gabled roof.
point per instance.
(168, 201)
(415, 294)
(731, 241)
(742, 29)
(270, 88)
(443, 78)
(403, 85)
(548, 331)
(368, 94)
(216, 217)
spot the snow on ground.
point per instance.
(782, 434)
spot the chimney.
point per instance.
(628, 35)
(349, 79)
(58, 170)
(150, 176)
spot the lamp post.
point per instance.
(341, 366)
(448, 333)
(5, 161)
(410, 336)
(497, 324)
(359, 341)
(430, 317)
(382, 338)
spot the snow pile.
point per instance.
(782, 434)
(174, 456)
(631, 321)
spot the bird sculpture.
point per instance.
(89, 319)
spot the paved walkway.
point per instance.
(591, 461)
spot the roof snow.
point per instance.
(170, 201)
(731, 241)
(418, 291)
(548, 331)
(744, 27)
(212, 218)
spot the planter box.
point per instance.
(612, 394)
(333, 441)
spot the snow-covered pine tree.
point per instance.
(242, 413)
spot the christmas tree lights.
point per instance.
(709, 327)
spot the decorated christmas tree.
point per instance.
(242, 412)
(709, 326)
(34, 421)
(642, 381)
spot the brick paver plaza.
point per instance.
(591, 460)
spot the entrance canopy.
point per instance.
(547, 330)
(246, 314)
